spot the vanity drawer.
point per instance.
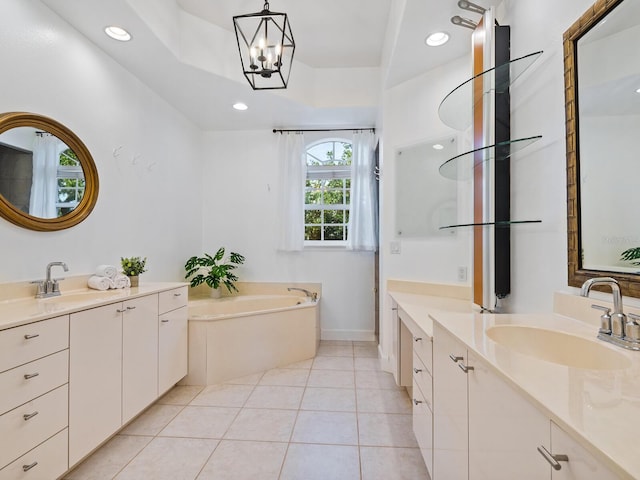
(23, 344)
(172, 299)
(47, 461)
(423, 426)
(52, 371)
(422, 378)
(423, 348)
(19, 434)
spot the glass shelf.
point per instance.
(456, 110)
(461, 167)
(502, 224)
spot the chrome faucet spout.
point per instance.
(48, 287)
(615, 289)
(312, 295)
(55, 264)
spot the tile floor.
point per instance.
(335, 417)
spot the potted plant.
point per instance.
(132, 267)
(630, 255)
(214, 270)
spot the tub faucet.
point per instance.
(312, 295)
(616, 327)
(48, 287)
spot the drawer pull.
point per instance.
(29, 337)
(465, 368)
(164, 320)
(27, 376)
(417, 402)
(553, 459)
(29, 416)
(455, 359)
(177, 294)
(417, 339)
(121, 310)
(131, 308)
(417, 370)
(26, 468)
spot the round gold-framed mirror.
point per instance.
(48, 179)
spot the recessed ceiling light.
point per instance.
(118, 33)
(437, 146)
(437, 38)
(240, 106)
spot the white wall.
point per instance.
(240, 198)
(150, 206)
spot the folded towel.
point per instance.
(106, 271)
(120, 281)
(99, 283)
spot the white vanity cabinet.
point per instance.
(173, 338)
(34, 361)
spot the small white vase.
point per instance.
(216, 293)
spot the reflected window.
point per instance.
(71, 183)
(327, 192)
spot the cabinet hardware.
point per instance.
(26, 468)
(417, 370)
(28, 416)
(164, 320)
(394, 309)
(455, 359)
(465, 368)
(131, 308)
(27, 376)
(121, 310)
(553, 459)
(177, 294)
(29, 337)
(417, 402)
(417, 339)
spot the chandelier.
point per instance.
(266, 47)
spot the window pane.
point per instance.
(66, 195)
(347, 197)
(333, 233)
(312, 233)
(313, 216)
(348, 182)
(313, 197)
(334, 197)
(334, 216)
(346, 216)
(335, 183)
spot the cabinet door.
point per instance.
(95, 378)
(172, 361)
(139, 355)
(581, 465)
(504, 429)
(450, 420)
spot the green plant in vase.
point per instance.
(214, 270)
(132, 267)
(630, 255)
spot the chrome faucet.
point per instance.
(48, 287)
(615, 328)
(312, 295)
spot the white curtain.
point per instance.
(293, 172)
(44, 185)
(363, 216)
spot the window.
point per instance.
(327, 192)
(71, 182)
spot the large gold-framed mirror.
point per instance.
(602, 101)
(48, 179)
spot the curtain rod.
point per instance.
(277, 130)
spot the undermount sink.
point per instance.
(85, 296)
(558, 347)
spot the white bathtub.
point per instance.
(236, 336)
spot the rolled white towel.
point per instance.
(108, 271)
(99, 283)
(121, 281)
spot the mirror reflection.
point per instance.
(608, 81)
(39, 174)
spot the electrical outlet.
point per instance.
(395, 248)
(462, 274)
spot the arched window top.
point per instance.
(330, 152)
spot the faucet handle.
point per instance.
(605, 319)
(634, 318)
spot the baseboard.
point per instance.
(352, 335)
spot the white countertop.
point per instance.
(26, 310)
(599, 408)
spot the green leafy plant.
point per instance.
(630, 255)
(133, 266)
(218, 271)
